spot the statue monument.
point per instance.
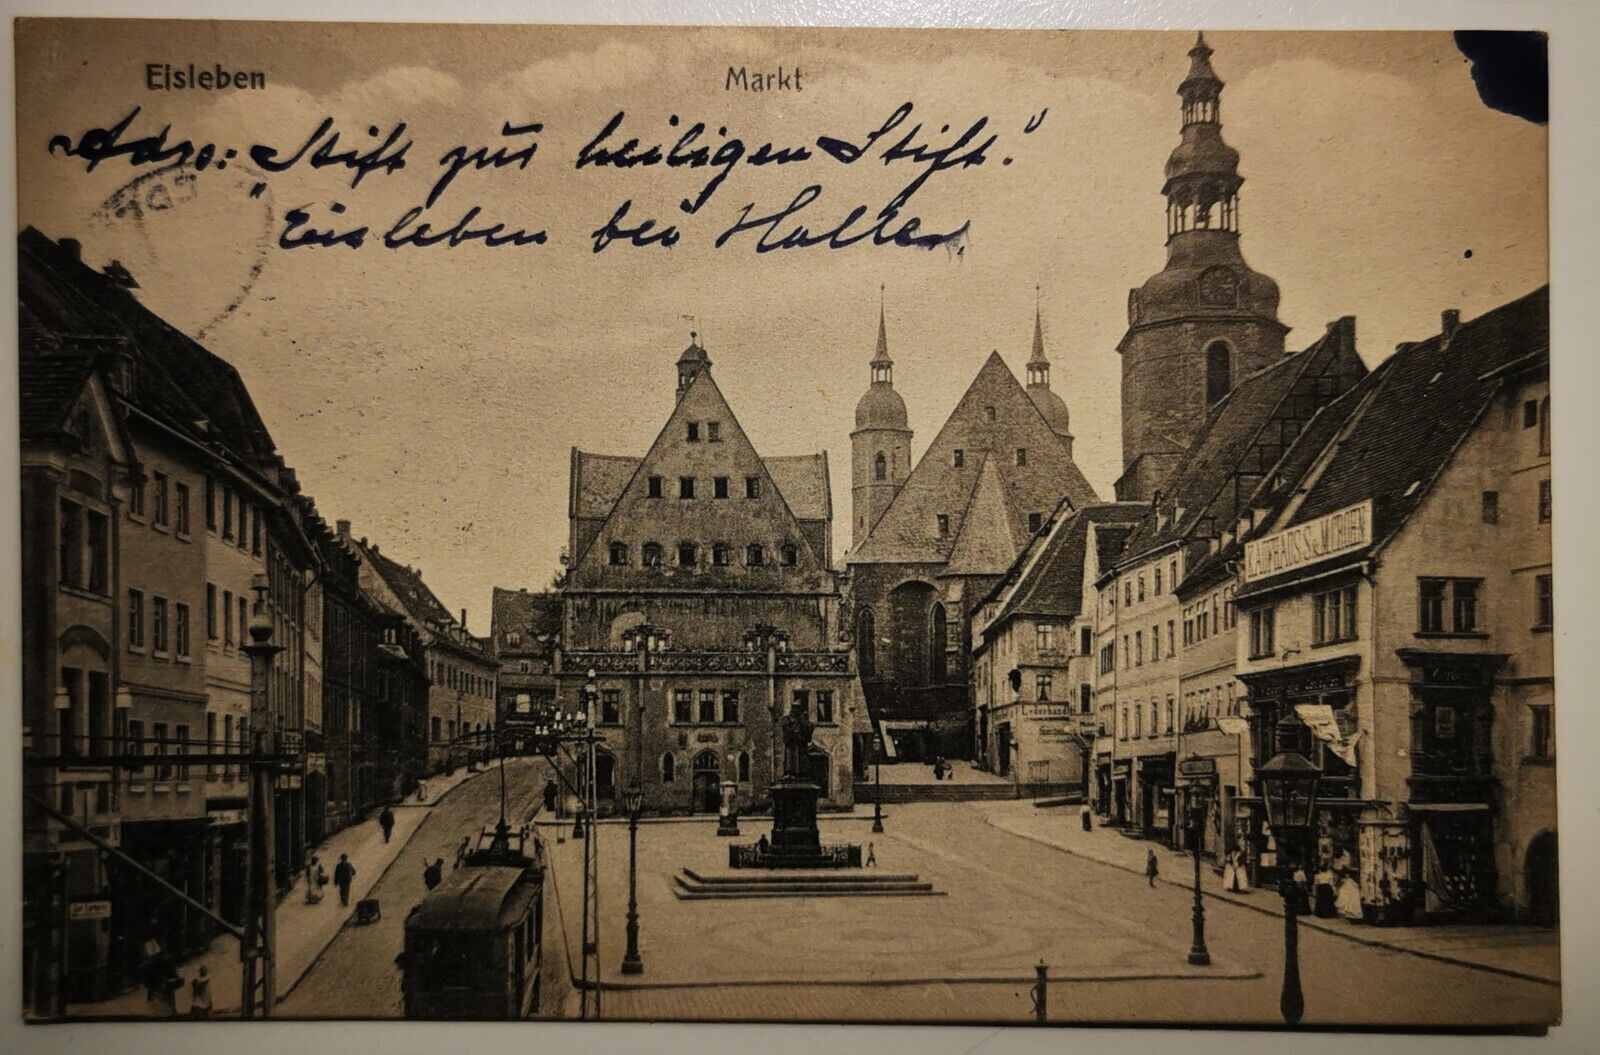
(795, 842)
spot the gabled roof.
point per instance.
(533, 614)
(635, 518)
(176, 381)
(420, 602)
(1405, 422)
(986, 545)
(907, 531)
(1244, 435)
(1047, 577)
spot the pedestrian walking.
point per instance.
(872, 856)
(433, 875)
(422, 791)
(316, 879)
(552, 795)
(1086, 818)
(200, 994)
(158, 974)
(1230, 871)
(1151, 869)
(386, 822)
(762, 845)
(344, 873)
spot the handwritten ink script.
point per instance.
(815, 213)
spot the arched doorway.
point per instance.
(1543, 880)
(705, 792)
(817, 767)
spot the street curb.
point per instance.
(316, 959)
(1309, 922)
(868, 983)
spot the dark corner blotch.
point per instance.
(1511, 69)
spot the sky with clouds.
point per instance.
(432, 396)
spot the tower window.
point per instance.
(1219, 371)
(880, 467)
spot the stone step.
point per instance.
(756, 875)
(691, 885)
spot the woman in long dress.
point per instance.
(1230, 871)
(1349, 900)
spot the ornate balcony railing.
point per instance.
(720, 662)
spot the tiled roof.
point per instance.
(1047, 577)
(50, 379)
(534, 614)
(907, 531)
(1242, 437)
(1406, 423)
(422, 606)
(1109, 542)
(802, 479)
(986, 545)
(177, 381)
(600, 479)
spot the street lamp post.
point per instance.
(1289, 791)
(258, 950)
(633, 798)
(1199, 955)
(877, 783)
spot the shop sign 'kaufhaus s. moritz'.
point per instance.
(1342, 531)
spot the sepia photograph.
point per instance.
(786, 525)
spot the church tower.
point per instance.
(1051, 406)
(1206, 319)
(880, 446)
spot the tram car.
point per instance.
(473, 945)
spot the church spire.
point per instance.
(1038, 365)
(1202, 176)
(882, 365)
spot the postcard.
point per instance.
(786, 525)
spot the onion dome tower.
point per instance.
(1205, 320)
(1051, 406)
(880, 446)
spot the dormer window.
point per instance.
(694, 432)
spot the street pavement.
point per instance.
(303, 929)
(1115, 946)
(1533, 953)
(356, 975)
(1016, 891)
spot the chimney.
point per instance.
(344, 528)
(72, 247)
(1449, 321)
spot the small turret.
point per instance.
(690, 364)
(1051, 406)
